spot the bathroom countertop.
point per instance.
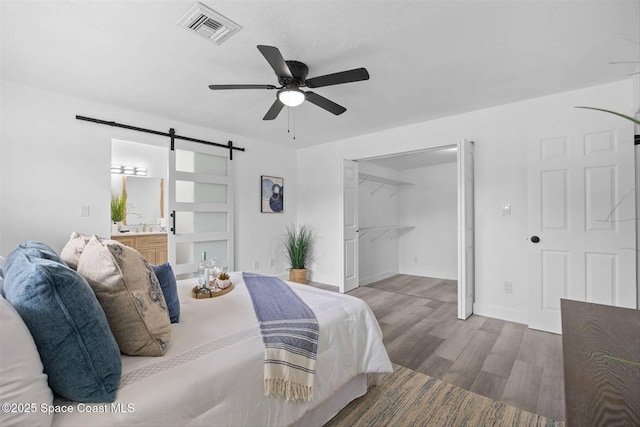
(138, 233)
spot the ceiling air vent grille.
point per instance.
(208, 23)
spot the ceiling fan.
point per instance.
(292, 75)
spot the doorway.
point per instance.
(189, 212)
(411, 213)
(582, 218)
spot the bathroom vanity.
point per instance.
(152, 245)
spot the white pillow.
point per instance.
(73, 249)
(22, 380)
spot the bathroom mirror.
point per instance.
(145, 198)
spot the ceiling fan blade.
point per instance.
(355, 75)
(275, 109)
(323, 102)
(224, 87)
(275, 59)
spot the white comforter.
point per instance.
(212, 373)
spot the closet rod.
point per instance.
(171, 134)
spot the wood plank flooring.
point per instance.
(502, 360)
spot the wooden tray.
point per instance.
(211, 293)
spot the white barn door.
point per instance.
(466, 287)
(200, 207)
(581, 190)
(350, 221)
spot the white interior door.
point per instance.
(350, 234)
(466, 289)
(581, 218)
(200, 207)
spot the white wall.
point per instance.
(52, 164)
(431, 206)
(500, 176)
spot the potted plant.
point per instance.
(298, 244)
(118, 209)
(223, 280)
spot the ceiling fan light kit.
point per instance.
(292, 75)
(291, 97)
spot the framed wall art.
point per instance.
(272, 198)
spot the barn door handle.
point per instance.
(173, 222)
(535, 239)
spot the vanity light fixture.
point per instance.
(129, 170)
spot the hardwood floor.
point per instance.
(502, 360)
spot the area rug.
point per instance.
(409, 398)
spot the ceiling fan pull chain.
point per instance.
(288, 120)
(294, 125)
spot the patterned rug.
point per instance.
(409, 398)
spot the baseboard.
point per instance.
(510, 315)
(372, 279)
(430, 273)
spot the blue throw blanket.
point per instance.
(290, 335)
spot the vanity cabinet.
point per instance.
(152, 246)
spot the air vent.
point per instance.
(208, 23)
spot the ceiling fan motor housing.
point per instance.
(299, 71)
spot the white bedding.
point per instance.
(212, 373)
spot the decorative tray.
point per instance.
(212, 294)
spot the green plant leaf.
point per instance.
(118, 207)
(617, 359)
(613, 112)
(298, 243)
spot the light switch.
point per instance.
(84, 210)
(506, 209)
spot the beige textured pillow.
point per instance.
(130, 295)
(73, 249)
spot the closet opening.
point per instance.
(412, 214)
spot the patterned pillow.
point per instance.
(78, 351)
(130, 295)
(73, 249)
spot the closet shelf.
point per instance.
(399, 229)
(382, 181)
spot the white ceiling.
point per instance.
(427, 59)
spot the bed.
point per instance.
(212, 372)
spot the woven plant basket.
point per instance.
(298, 275)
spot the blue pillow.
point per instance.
(37, 249)
(76, 346)
(167, 280)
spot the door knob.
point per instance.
(535, 239)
